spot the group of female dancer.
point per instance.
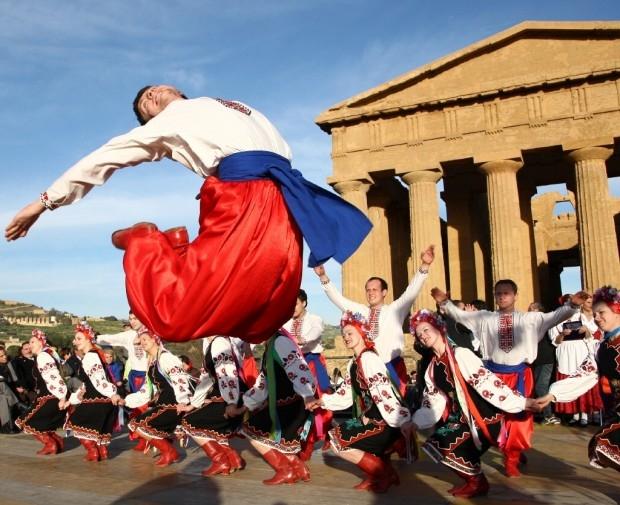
(463, 404)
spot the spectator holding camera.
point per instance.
(575, 339)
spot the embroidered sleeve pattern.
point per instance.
(140, 397)
(342, 398)
(257, 394)
(297, 370)
(578, 383)
(226, 370)
(202, 390)
(178, 378)
(432, 408)
(96, 373)
(487, 384)
(51, 375)
(380, 388)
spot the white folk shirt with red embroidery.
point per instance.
(296, 368)
(179, 380)
(48, 368)
(137, 359)
(486, 383)
(307, 331)
(387, 328)
(226, 372)
(94, 368)
(197, 133)
(379, 384)
(509, 339)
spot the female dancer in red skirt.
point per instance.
(44, 416)
(92, 417)
(254, 209)
(167, 389)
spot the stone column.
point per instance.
(357, 269)
(505, 223)
(425, 229)
(378, 202)
(530, 263)
(598, 246)
(460, 244)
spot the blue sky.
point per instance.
(69, 71)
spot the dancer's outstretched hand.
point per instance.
(532, 405)
(428, 255)
(579, 298)
(438, 295)
(543, 401)
(23, 220)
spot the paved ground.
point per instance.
(557, 472)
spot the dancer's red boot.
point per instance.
(219, 459)
(168, 454)
(178, 238)
(120, 238)
(60, 443)
(92, 454)
(280, 463)
(475, 485)
(379, 475)
(103, 452)
(49, 446)
(299, 467)
(234, 458)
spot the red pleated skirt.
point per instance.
(587, 403)
(240, 277)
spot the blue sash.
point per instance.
(321, 374)
(518, 369)
(332, 227)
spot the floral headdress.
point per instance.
(609, 296)
(426, 316)
(143, 330)
(86, 330)
(40, 336)
(361, 323)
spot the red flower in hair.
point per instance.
(39, 335)
(360, 322)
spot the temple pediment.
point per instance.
(527, 56)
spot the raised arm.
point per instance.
(402, 305)
(336, 296)
(122, 339)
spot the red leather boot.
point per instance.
(92, 454)
(219, 459)
(178, 238)
(121, 238)
(103, 452)
(306, 452)
(299, 467)
(60, 443)
(141, 445)
(379, 476)
(234, 458)
(168, 454)
(280, 463)
(49, 446)
(476, 485)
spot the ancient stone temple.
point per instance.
(534, 105)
